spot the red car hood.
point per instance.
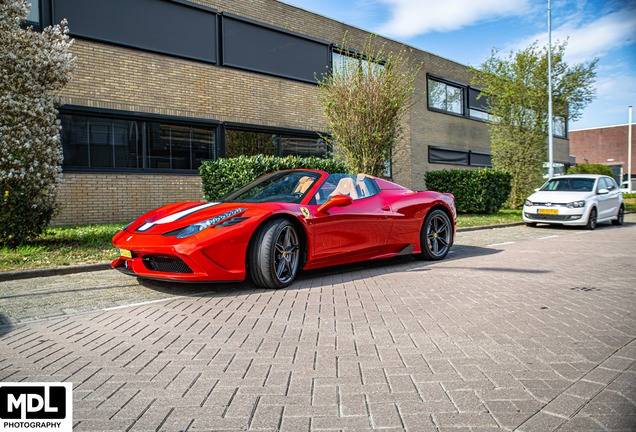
(180, 215)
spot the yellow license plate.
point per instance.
(548, 211)
(125, 253)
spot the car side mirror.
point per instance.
(335, 201)
(603, 191)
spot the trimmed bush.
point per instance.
(591, 169)
(222, 176)
(476, 190)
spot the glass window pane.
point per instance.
(454, 100)
(203, 141)
(479, 114)
(445, 97)
(158, 145)
(180, 151)
(303, 146)
(34, 12)
(75, 140)
(126, 142)
(247, 143)
(436, 95)
(101, 143)
(558, 127)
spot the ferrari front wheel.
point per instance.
(436, 236)
(274, 256)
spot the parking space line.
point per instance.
(141, 303)
(548, 237)
(500, 244)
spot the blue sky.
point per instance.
(467, 30)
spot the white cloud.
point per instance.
(592, 39)
(415, 17)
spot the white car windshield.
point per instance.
(569, 185)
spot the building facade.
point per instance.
(162, 85)
(605, 146)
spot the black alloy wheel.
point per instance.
(620, 217)
(591, 220)
(436, 236)
(274, 256)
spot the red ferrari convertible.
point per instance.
(284, 222)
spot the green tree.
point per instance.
(364, 99)
(517, 90)
(34, 66)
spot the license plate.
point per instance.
(548, 211)
(125, 253)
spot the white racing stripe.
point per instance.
(176, 216)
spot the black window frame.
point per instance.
(143, 118)
(450, 83)
(469, 99)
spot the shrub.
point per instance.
(34, 66)
(222, 176)
(591, 169)
(476, 191)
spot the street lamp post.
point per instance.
(629, 152)
(550, 126)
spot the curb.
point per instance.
(485, 227)
(85, 268)
(57, 271)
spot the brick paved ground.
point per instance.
(533, 335)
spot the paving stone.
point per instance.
(535, 335)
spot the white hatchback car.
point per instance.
(575, 199)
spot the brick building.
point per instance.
(606, 146)
(161, 85)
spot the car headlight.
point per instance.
(576, 204)
(200, 226)
(528, 203)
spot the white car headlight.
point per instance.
(528, 203)
(200, 226)
(576, 204)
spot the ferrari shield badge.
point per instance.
(305, 212)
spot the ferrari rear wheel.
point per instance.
(274, 257)
(437, 236)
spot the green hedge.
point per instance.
(590, 169)
(475, 190)
(222, 176)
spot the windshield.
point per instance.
(569, 185)
(286, 186)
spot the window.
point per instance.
(480, 159)
(34, 13)
(176, 28)
(478, 106)
(452, 156)
(559, 127)
(445, 97)
(249, 143)
(256, 47)
(299, 146)
(356, 186)
(99, 142)
(275, 143)
(448, 156)
(342, 61)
